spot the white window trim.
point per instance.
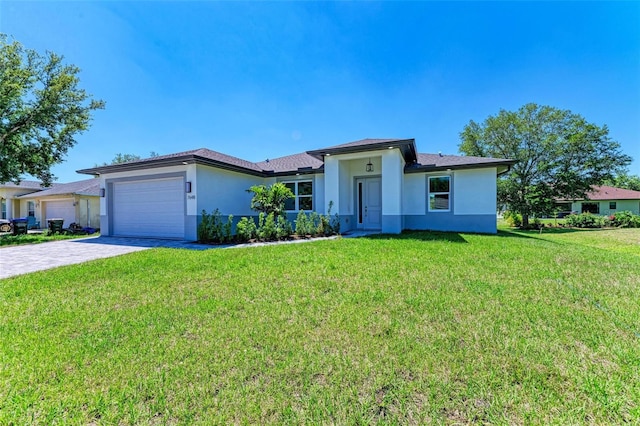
(429, 193)
(296, 197)
(29, 204)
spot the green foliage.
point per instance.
(559, 156)
(513, 219)
(586, 220)
(314, 224)
(246, 230)
(624, 181)
(42, 109)
(212, 229)
(302, 224)
(268, 230)
(270, 199)
(283, 227)
(418, 328)
(625, 219)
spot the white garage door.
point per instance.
(62, 209)
(149, 208)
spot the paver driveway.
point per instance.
(16, 260)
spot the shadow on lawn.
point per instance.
(143, 242)
(452, 237)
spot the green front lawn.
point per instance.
(17, 240)
(520, 327)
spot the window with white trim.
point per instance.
(303, 196)
(439, 193)
(3, 209)
(31, 208)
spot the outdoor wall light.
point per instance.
(369, 166)
(187, 187)
(102, 192)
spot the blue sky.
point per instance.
(265, 79)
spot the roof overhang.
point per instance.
(168, 162)
(407, 148)
(501, 166)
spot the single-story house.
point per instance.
(74, 202)
(374, 184)
(604, 200)
(10, 206)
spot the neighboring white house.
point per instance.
(74, 202)
(605, 200)
(377, 184)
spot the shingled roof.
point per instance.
(25, 184)
(305, 162)
(406, 146)
(606, 193)
(82, 187)
(435, 162)
(296, 162)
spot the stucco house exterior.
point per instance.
(11, 206)
(604, 200)
(74, 202)
(376, 184)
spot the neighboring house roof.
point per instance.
(606, 193)
(82, 187)
(306, 162)
(25, 184)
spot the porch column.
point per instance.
(9, 208)
(331, 184)
(392, 180)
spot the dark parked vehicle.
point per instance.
(5, 225)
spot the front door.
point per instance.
(369, 203)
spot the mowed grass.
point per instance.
(23, 239)
(447, 328)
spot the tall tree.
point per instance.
(625, 181)
(125, 158)
(42, 109)
(559, 154)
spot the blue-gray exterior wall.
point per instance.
(485, 224)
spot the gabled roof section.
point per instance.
(438, 162)
(407, 148)
(606, 193)
(299, 163)
(199, 156)
(82, 187)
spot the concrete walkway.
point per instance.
(17, 260)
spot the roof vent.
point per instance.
(266, 161)
(440, 153)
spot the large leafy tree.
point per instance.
(625, 181)
(42, 109)
(559, 155)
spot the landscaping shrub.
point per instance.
(302, 224)
(246, 230)
(625, 219)
(513, 219)
(212, 229)
(586, 220)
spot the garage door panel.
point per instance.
(62, 209)
(149, 208)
